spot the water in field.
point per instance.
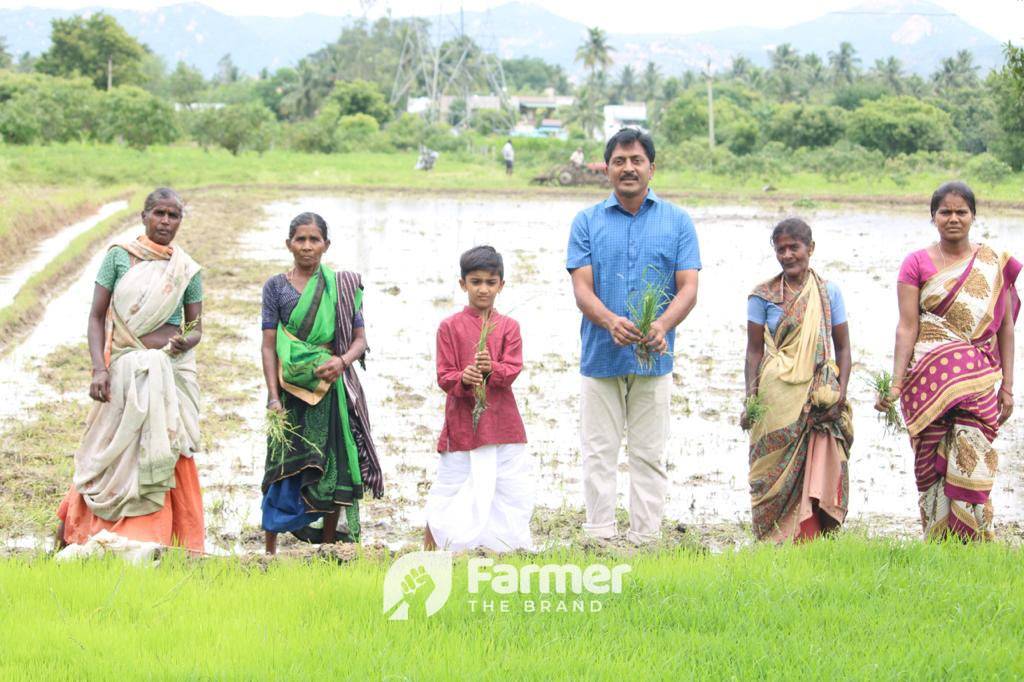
(407, 250)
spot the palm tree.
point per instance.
(890, 72)
(843, 64)
(784, 57)
(6, 60)
(650, 83)
(627, 86)
(956, 73)
(814, 70)
(740, 67)
(305, 93)
(586, 111)
(595, 52)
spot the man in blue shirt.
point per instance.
(617, 249)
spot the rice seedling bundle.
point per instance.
(279, 435)
(643, 312)
(755, 408)
(881, 382)
(480, 391)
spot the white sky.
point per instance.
(1003, 19)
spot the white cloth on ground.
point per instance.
(483, 498)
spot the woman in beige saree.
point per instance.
(134, 473)
(954, 344)
(799, 446)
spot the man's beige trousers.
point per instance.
(638, 406)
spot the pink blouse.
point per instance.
(917, 268)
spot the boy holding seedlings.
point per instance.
(634, 261)
(483, 493)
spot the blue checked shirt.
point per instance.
(627, 252)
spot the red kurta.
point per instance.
(457, 337)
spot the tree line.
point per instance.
(97, 82)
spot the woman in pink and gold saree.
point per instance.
(953, 367)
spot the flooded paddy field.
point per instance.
(407, 249)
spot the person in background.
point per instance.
(509, 154)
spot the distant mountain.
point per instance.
(917, 32)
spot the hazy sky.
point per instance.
(1003, 19)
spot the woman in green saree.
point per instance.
(313, 333)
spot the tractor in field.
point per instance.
(572, 175)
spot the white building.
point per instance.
(628, 115)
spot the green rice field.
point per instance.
(848, 608)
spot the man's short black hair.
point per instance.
(626, 137)
(484, 258)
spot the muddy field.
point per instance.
(407, 251)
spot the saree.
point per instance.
(135, 456)
(321, 468)
(799, 476)
(949, 402)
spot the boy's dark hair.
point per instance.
(484, 258)
(626, 137)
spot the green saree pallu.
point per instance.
(318, 469)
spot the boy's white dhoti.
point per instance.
(483, 498)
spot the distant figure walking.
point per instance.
(509, 154)
(576, 158)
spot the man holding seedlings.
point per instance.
(634, 261)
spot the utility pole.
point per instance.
(711, 110)
(110, 73)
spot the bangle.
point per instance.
(1003, 390)
(271, 402)
(101, 369)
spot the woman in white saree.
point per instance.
(134, 473)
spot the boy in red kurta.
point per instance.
(483, 493)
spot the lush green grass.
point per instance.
(185, 167)
(844, 609)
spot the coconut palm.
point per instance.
(650, 82)
(843, 63)
(595, 52)
(627, 87)
(890, 72)
(956, 73)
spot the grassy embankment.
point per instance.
(848, 608)
(185, 167)
(29, 213)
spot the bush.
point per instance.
(406, 132)
(988, 168)
(807, 125)
(135, 117)
(355, 132)
(37, 108)
(237, 127)
(900, 125)
(360, 97)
